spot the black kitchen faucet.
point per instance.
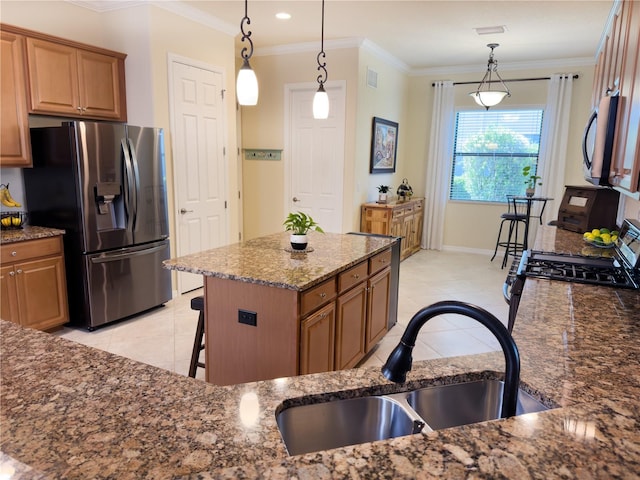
(399, 361)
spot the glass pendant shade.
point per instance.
(247, 85)
(321, 104)
(488, 98)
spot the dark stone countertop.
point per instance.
(70, 411)
(27, 232)
(269, 261)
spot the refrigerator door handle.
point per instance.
(136, 179)
(129, 189)
(109, 257)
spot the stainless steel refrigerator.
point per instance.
(104, 183)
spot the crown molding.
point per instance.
(193, 14)
(306, 47)
(177, 8)
(615, 10)
(102, 6)
(562, 63)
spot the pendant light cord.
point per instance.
(322, 65)
(246, 35)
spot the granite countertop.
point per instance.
(28, 232)
(70, 411)
(270, 261)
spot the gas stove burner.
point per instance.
(575, 268)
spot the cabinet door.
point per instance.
(99, 85)
(351, 327)
(41, 290)
(15, 148)
(416, 232)
(9, 305)
(407, 236)
(375, 220)
(317, 340)
(627, 139)
(377, 307)
(53, 77)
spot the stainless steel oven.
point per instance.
(620, 270)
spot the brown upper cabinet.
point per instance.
(15, 148)
(617, 70)
(75, 82)
(48, 75)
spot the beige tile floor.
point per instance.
(164, 336)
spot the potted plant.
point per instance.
(299, 224)
(530, 180)
(383, 190)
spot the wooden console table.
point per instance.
(400, 219)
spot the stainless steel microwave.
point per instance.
(597, 142)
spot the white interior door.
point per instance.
(316, 155)
(199, 161)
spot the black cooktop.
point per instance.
(576, 268)
(621, 270)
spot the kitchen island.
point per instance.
(70, 411)
(271, 311)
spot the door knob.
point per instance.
(295, 199)
(184, 210)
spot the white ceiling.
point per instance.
(422, 35)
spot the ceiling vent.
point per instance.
(372, 78)
(490, 30)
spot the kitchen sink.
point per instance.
(445, 406)
(322, 426)
(338, 423)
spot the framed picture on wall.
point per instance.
(384, 146)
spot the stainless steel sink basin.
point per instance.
(322, 426)
(338, 423)
(445, 406)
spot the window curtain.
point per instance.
(439, 160)
(553, 144)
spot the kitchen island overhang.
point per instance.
(318, 311)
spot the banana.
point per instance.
(3, 198)
(6, 198)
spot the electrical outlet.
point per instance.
(248, 318)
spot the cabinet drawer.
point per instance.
(19, 251)
(379, 261)
(376, 214)
(418, 206)
(398, 212)
(353, 276)
(317, 296)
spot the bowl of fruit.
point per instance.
(9, 220)
(601, 237)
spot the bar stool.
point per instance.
(197, 303)
(515, 215)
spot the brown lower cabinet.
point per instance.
(317, 341)
(361, 317)
(330, 326)
(32, 283)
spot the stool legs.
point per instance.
(511, 245)
(197, 303)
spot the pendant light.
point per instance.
(321, 98)
(247, 83)
(484, 95)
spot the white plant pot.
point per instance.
(298, 242)
(530, 192)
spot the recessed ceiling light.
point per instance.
(490, 30)
(283, 16)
